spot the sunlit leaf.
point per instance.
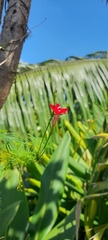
(52, 186)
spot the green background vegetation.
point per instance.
(64, 194)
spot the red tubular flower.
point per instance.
(58, 110)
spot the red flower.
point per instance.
(58, 110)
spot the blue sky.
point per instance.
(71, 28)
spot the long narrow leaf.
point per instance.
(52, 186)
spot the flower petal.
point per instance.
(57, 109)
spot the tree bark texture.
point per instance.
(1, 8)
(14, 32)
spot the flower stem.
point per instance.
(40, 152)
(43, 150)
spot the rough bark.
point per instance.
(12, 37)
(1, 8)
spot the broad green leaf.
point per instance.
(9, 193)
(66, 229)
(7, 215)
(52, 186)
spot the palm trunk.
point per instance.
(12, 37)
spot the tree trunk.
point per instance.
(13, 34)
(1, 9)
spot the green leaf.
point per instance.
(75, 135)
(89, 216)
(66, 229)
(10, 194)
(52, 186)
(35, 169)
(99, 186)
(79, 167)
(99, 232)
(7, 215)
(101, 135)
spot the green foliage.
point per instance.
(52, 186)
(14, 152)
(45, 196)
(7, 215)
(65, 229)
(14, 209)
(81, 86)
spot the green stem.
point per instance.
(43, 149)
